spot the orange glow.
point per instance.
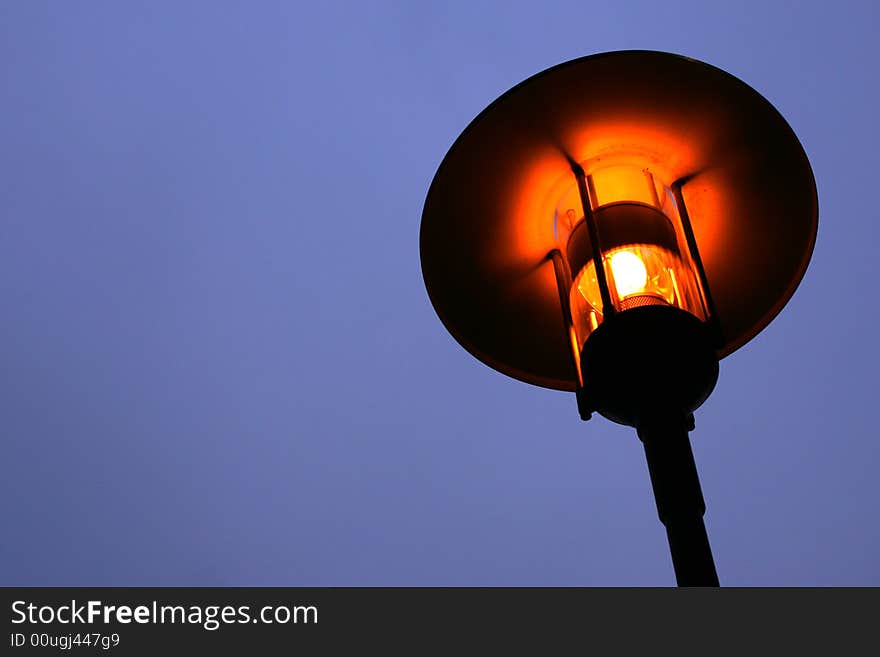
(614, 153)
(537, 190)
(633, 141)
(621, 183)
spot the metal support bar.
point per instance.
(563, 287)
(679, 499)
(698, 261)
(649, 177)
(601, 279)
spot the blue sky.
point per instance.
(220, 363)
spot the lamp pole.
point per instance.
(679, 498)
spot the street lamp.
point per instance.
(613, 226)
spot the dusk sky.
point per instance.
(219, 362)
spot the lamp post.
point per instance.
(614, 226)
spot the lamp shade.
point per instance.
(491, 219)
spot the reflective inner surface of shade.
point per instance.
(488, 225)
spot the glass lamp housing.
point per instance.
(642, 246)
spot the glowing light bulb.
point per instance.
(640, 275)
(630, 273)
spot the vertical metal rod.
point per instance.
(591, 189)
(601, 279)
(653, 187)
(563, 287)
(695, 256)
(679, 499)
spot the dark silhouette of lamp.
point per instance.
(613, 226)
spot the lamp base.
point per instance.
(647, 361)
